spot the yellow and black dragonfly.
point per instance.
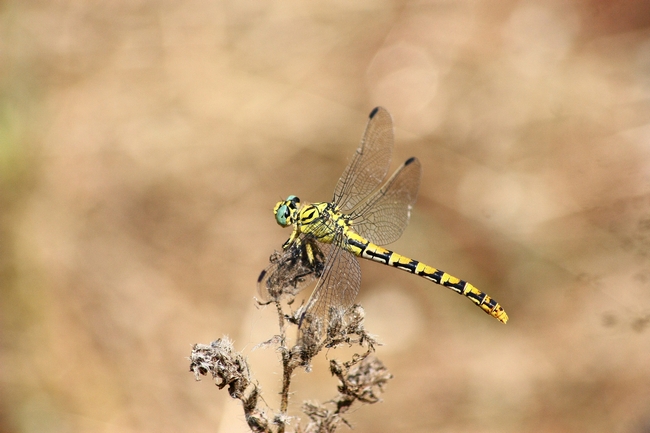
(366, 212)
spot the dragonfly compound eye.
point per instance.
(283, 211)
(292, 202)
(281, 214)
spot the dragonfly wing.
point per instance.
(383, 217)
(370, 163)
(292, 269)
(336, 289)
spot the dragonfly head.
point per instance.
(286, 211)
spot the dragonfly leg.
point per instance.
(291, 240)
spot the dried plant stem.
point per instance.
(361, 379)
(278, 306)
(287, 371)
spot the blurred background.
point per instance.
(143, 145)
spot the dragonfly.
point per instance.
(365, 213)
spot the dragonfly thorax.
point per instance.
(320, 220)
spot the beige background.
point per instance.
(143, 145)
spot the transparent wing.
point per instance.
(383, 217)
(336, 289)
(369, 165)
(291, 270)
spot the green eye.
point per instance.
(281, 215)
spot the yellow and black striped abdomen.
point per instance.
(363, 248)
